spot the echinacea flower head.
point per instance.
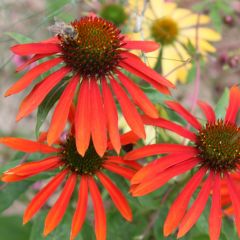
(213, 154)
(90, 170)
(174, 28)
(93, 53)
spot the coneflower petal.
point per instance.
(136, 63)
(34, 167)
(35, 48)
(163, 123)
(233, 105)
(128, 137)
(184, 113)
(155, 149)
(61, 111)
(138, 96)
(31, 75)
(56, 213)
(197, 207)
(81, 208)
(99, 211)
(145, 77)
(98, 121)
(159, 180)
(145, 46)
(159, 165)
(82, 117)
(31, 60)
(180, 205)
(39, 200)
(129, 111)
(112, 116)
(37, 95)
(117, 196)
(27, 146)
(235, 201)
(122, 171)
(215, 217)
(208, 111)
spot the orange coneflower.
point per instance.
(93, 52)
(72, 167)
(214, 155)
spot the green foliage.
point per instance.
(19, 38)
(11, 228)
(10, 192)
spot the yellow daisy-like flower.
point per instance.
(174, 28)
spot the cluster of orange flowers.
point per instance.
(94, 60)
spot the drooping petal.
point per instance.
(145, 77)
(56, 213)
(136, 63)
(159, 165)
(208, 111)
(112, 116)
(184, 113)
(128, 137)
(234, 195)
(31, 75)
(154, 183)
(128, 109)
(39, 200)
(82, 118)
(117, 196)
(163, 123)
(215, 217)
(35, 48)
(81, 208)
(122, 171)
(197, 207)
(233, 105)
(155, 149)
(180, 205)
(36, 167)
(31, 60)
(138, 96)
(145, 46)
(98, 121)
(61, 111)
(37, 95)
(99, 211)
(12, 178)
(27, 146)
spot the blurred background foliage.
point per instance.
(24, 21)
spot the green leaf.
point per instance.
(11, 228)
(10, 192)
(222, 104)
(48, 103)
(19, 37)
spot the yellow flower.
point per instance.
(174, 28)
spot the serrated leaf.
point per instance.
(222, 104)
(48, 103)
(20, 38)
(11, 192)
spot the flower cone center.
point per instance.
(164, 30)
(92, 48)
(219, 144)
(89, 164)
(114, 13)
